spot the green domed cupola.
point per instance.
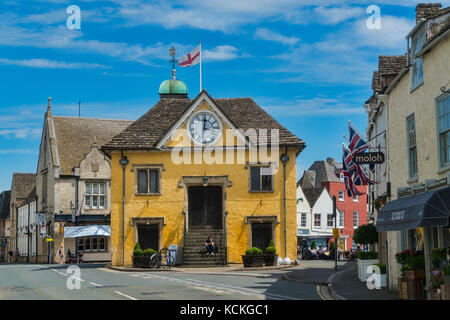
(173, 88)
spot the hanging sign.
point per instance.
(369, 158)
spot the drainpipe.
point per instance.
(28, 232)
(284, 158)
(124, 162)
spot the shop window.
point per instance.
(261, 179)
(92, 244)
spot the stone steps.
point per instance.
(194, 253)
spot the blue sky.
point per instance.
(308, 63)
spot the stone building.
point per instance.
(5, 224)
(380, 193)
(27, 231)
(418, 143)
(184, 170)
(73, 182)
(21, 188)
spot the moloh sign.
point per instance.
(369, 158)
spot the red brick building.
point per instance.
(328, 174)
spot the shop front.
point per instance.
(423, 222)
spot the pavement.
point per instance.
(342, 284)
(231, 268)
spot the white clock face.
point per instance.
(204, 128)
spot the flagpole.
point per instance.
(200, 66)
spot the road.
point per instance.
(96, 282)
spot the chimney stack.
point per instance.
(330, 161)
(424, 10)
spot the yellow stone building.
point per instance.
(190, 168)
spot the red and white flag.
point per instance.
(192, 58)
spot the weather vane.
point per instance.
(173, 60)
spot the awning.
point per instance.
(428, 209)
(87, 231)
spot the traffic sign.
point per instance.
(49, 239)
(336, 233)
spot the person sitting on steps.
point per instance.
(209, 244)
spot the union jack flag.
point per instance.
(348, 168)
(357, 143)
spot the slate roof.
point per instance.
(146, 132)
(75, 137)
(5, 197)
(325, 172)
(22, 185)
(312, 195)
(389, 65)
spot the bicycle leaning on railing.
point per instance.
(162, 260)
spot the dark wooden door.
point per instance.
(148, 237)
(261, 235)
(205, 208)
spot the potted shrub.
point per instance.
(138, 256)
(270, 256)
(414, 268)
(253, 258)
(366, 234)
(366, 259)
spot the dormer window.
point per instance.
(418, 40)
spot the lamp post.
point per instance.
(284, 158)
(124, 162)
(335, 239)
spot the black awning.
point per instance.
(428, 209)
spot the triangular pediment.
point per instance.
(203, 124)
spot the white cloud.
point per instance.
(220, 53)
(316, 106)
(334, 15)
(51, 64)
(269, 35)
(18, 151)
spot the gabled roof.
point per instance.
(22, 185)
(312, 195)
(391, 65)
(324, 172)
(5, 197)
(146, 132)
(75, 137)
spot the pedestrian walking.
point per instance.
(61, 254)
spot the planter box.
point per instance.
(447, 280)
(270, 260)
(414, 274)
(362, 268)
(411, 289)
(445, 292)
(382, 280)
(253, 261)
(141, 261)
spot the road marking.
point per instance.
(94, 284)
(245, 290)
(124, 295)
(64, 274)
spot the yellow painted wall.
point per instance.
(171, 202)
